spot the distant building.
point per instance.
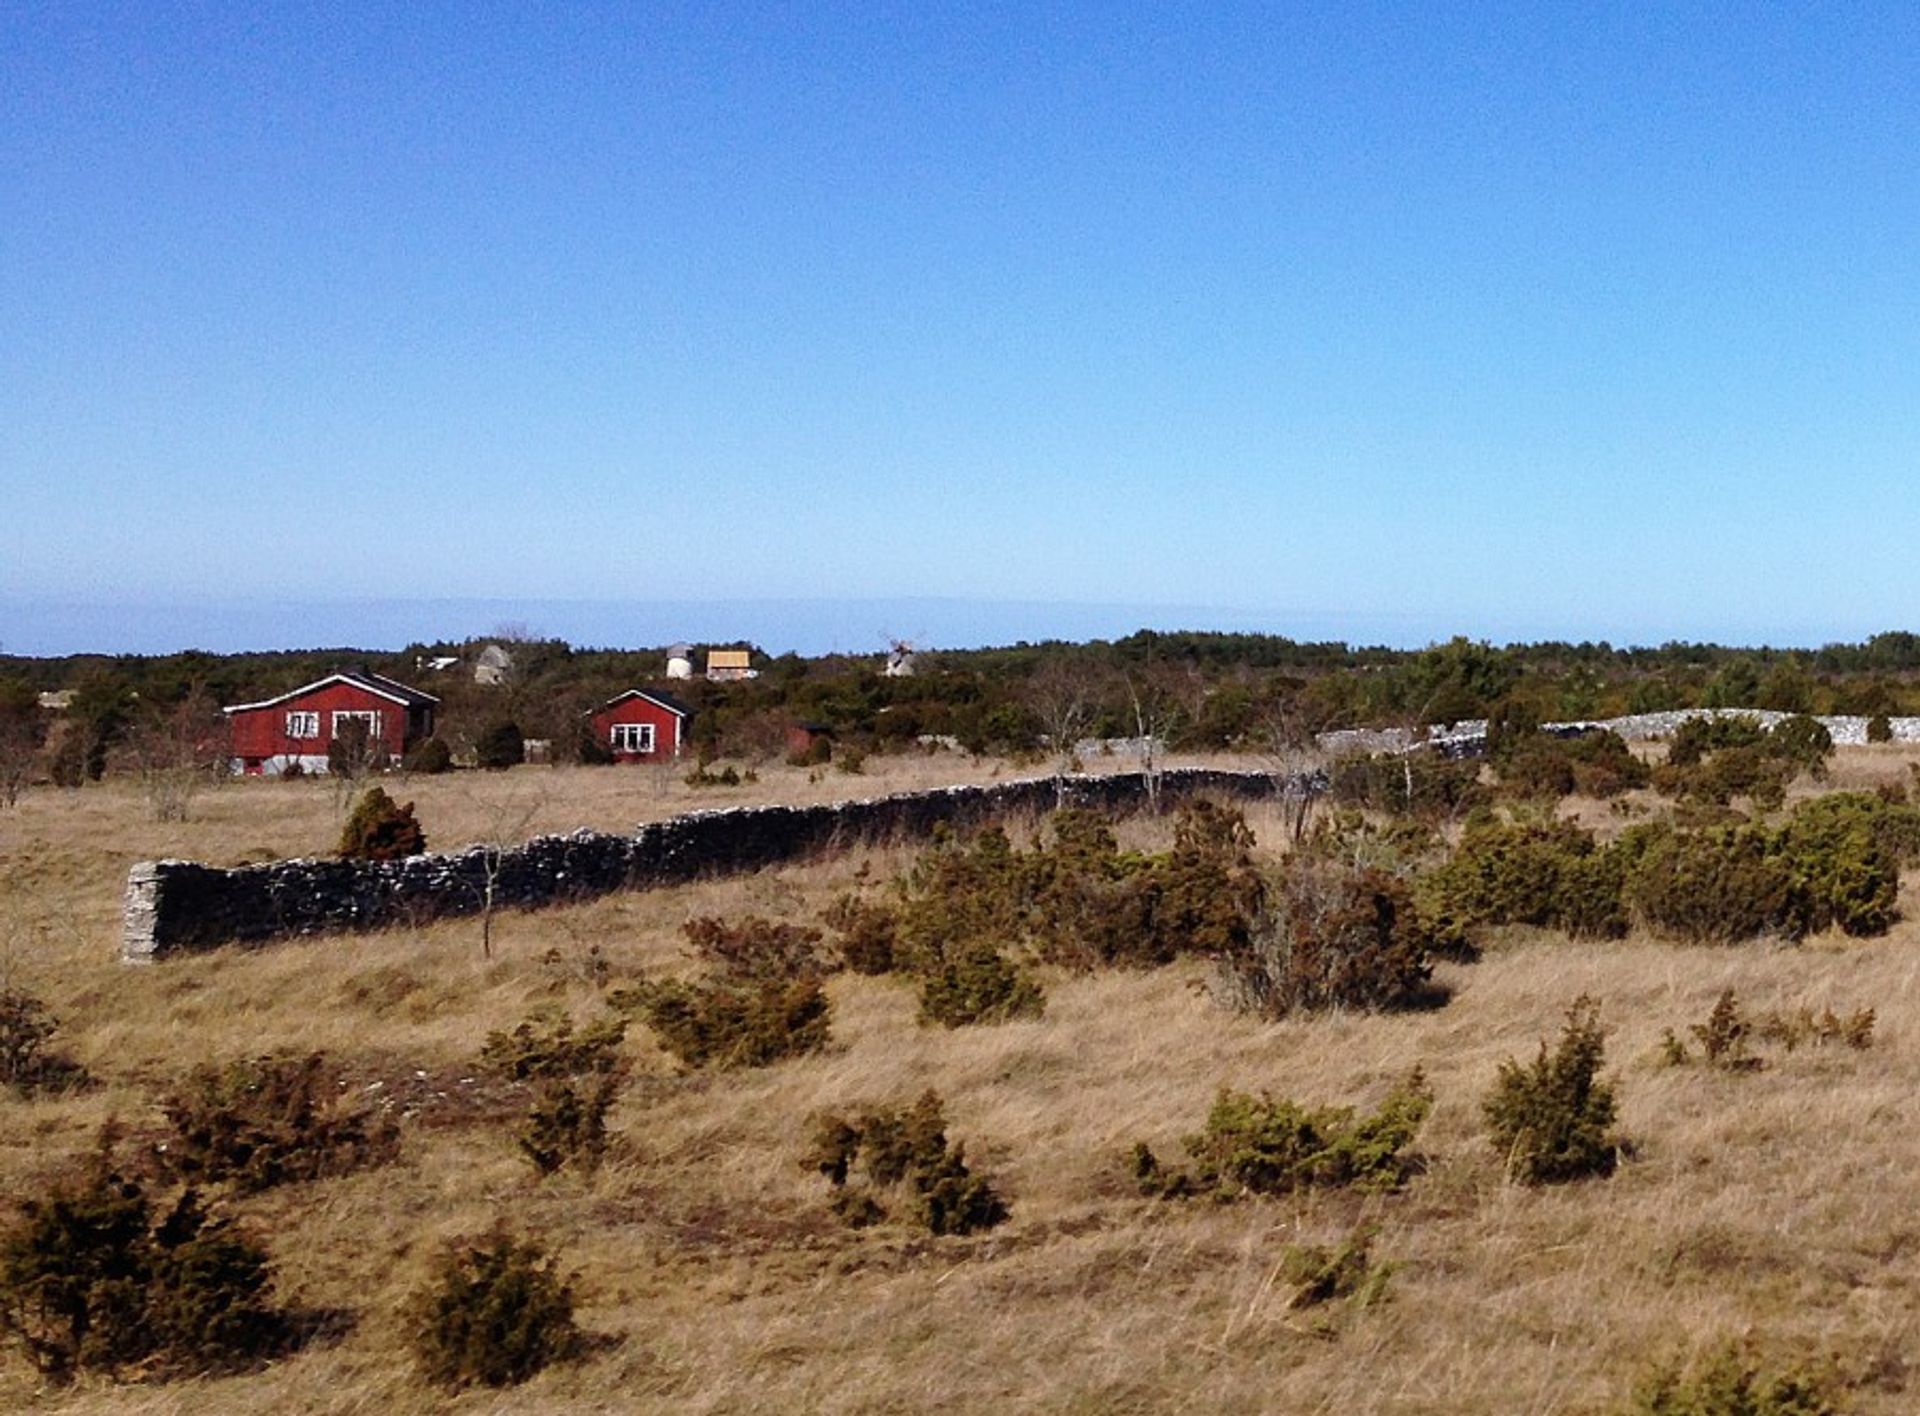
(297, 728)
(435, 663)
(641, 726)
(680, 661)
(493, 666)
(724, 664)
(57, 701)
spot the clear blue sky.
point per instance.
(1585, 321)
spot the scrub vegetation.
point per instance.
(1594, 1100)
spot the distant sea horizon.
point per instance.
(54, 628)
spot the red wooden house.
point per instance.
(299, 727)
(642, 726)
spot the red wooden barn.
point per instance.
(642, 726)
(298, 727)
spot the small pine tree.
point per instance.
(1553, 1120)
(494, 1313)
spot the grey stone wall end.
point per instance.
(139, 943)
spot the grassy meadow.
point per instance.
(1779, 1208)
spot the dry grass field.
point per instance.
(1780, 1208)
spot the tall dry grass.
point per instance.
(1778, 1205)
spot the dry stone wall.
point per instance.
(1469, 738)
(176, 906)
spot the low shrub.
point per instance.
(1421, 784)
(1330, 937)
(1712, 886)
(865, 933)
(1803, 1026)
(1321, 1274)
(728, 776)
(379, 829)
(729, 1023)
(1262, 1145)
(1729, 1382)
(28, 1063)
(978, 985)
(903, 1151)
(567, 1123)
(93, 1279)
(430, 757)
(546, 1047)
(1840, 850)
(500, 746)
(1545, 873)
(1553, 1121)
(494, 1313)
(270, 1121)
(1727, 1032)
(1879, 728)
(1723, 1036)
(755, 948)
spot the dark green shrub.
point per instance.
(762, 949)
(1331, 937)
(1422, 784)
(851, 761)
(1553, 1121)
(91, 1280)
(502, 745)
(1545, 873)
(728, 776)
(546, 1047)
(494, 1313)
(429, 756)
(1879, 728)
(271, 1121)
(1728, 1382)
(378, 829)
(1208, 891)
(1803, 741)
(567, 1123)
(729, 1023)
(27, 1063)
(978, 985)
(903, 1149)
(1843, 872)
(1604, 766)
(1714, 886)
(1541, 767)
(1695, 738)
(1261, 1145)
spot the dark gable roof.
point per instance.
(378, 684)
(665, 700)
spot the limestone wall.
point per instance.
(175, 906)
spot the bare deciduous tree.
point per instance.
(177, 750)
(1294, 761)
(1061, 696)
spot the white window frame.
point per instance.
(632, 737)
(303, 723)
(369, 716)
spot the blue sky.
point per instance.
(1388, 322)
